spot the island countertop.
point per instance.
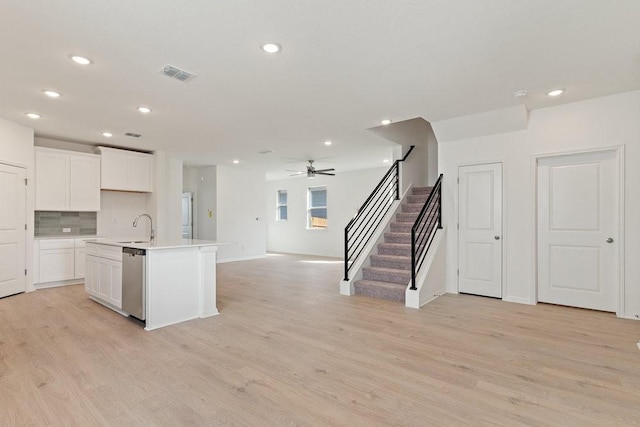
(157, 244)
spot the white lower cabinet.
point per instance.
(59, 260)
(104, 273)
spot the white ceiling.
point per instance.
(345, 65)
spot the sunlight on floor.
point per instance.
(321, 262)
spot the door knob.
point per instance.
(496, 237)
(610, 240)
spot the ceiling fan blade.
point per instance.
(325, 170)
(297, 173)
(325, 173)
(293, 170)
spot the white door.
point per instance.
(480, 230)
(578, 251)
(12, 230)
(187, 216)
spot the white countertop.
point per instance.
(67, 236)
(158, 244)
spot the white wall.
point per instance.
(165, 203)
(118, 209)
(240, 212)
(345, 193)
(604, 122)
(16, 148)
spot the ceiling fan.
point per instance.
(312, 171)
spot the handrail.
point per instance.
(366, 221)
(422, 234)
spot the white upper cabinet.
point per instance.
(124, 170)
(67, 181)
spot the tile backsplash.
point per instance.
(49, 223)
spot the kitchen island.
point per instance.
(178, 278)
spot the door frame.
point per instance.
(504, 236)
(620, 159)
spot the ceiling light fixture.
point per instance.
(555, 92)
(520, 94)
(52, 93)
(107, 134)
(385, 161)
(33, 115)
(271, 47)
(327, 143)
(235, 162)
(144, 110)
(385, 122)
(81, 60)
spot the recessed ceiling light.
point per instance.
(107, 134)
(385, 161)
(327, 143)
(385, 122)
(555, 92)
(80, 60)
(520, 94)
(52, 93)
(144, 110)
(271, 47)
(33, 115)
(235, 162)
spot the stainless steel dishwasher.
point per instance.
(133, 282)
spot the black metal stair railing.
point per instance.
(423, 230)
(363, 225)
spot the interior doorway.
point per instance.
(12, 230)
(480, 229)
(187, 215)
(578, 229)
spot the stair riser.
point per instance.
(397, 238)
(385, 250)
(382, 293)
(397, 264)
(421, 190)
(407, 217)
(412, 208)
(382, 276)
(420, 198)
(401, 227)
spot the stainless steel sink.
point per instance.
(135, 241)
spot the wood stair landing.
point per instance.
(390, 270)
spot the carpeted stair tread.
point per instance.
(421, 190)
(378, 289)
(395, 237)
(384, 274)
(391, 261)
(412, 207)
(398, 249)
(401, 227)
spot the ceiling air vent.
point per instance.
(133, 135)
(177, 73)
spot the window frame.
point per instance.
(309, 207)
(282, 205)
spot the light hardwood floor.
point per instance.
(287, 349)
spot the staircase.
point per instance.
(390, 269)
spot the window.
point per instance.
(317, 207)
(281, 205)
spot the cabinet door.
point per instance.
(91, 275)
(113, 169)
(80, 256)
(52, 181)
(139, 172)
(84, 193)
(56, 265)
(104, 279)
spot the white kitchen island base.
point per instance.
(179, 279)
(181, 285)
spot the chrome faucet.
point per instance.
(135, 224)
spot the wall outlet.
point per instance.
(66, 230)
